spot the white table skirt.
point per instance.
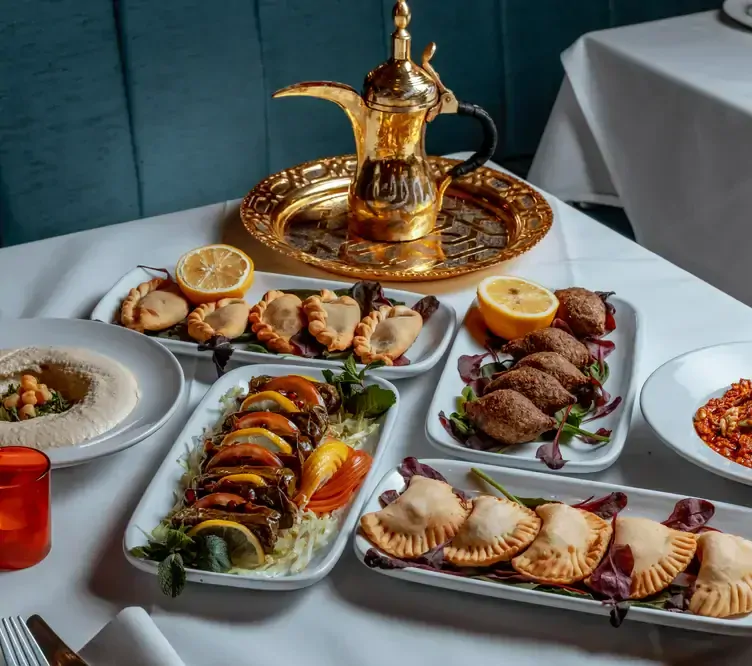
(354, 616)
(658, 118)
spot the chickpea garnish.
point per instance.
(27, 412)
(11, 401)
(28, 383)
(43, 394)
(29, 397)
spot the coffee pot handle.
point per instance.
(487, 148)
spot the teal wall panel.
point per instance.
(196, 89)
(66, 161)
(115, 109)
(326, 40)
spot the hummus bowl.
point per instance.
(159, 500)
(122, 387)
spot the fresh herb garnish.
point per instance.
(529, 502)
(176, 551)
(358, 399)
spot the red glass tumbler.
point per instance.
(25, 534)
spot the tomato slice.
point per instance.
(337, 492)
(298, 389)
(218, 500)
(240, 454)
(272, 421)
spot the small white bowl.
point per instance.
(677, 389)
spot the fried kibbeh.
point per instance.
(509, 417)
(583, 310)
(557, 366)
(542, 389)
(549, 340)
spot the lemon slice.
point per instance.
(246, 551)
(260, 436)
(213, 272)
(268, 401)
(513, 307)
(255, 479)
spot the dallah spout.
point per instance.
(343, 96)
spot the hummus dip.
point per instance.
(102, 393)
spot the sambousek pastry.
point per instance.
(549, 340)
(495, 531)
(426, 515)
(387, 333)
(660, 553)
(227, 317)
(568, 548)
(557, 366)
(508, 417)
(583, 311)
(276, 318)
(543, 390)
(332, 319)
(724, 584)
(155, 305)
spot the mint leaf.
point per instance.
(372, 402)
(176, 540)
(171, 575)
(213, 554)
(351, 369)
(328, 376)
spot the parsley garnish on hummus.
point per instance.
(11, 403)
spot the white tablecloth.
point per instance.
(354, 616)
(658, 117)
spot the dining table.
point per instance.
(354, 615)
(656, 118)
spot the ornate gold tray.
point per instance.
(487, 217)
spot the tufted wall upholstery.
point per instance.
(116, 109)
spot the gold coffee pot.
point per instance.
(394, 196)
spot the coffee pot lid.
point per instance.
(399, 84)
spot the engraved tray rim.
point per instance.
(509, 199)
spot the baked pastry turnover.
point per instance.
(426, 515)
(496, 530)
(227, 317)
(153, 306)
(276, 318)
(724, 584)
(568, 548)
(332, 319)
(387, 333)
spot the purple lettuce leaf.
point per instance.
(604, 410)
(550, 452)
(387, 497)
(304, 344)
(605, 507)
(401, 360)
(370, 296)
(613, 580)
(690, 515)
(560, 323)
(426, 306)
(469, 367)
(480, 441)
(602, 432)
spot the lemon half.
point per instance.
(213, 272)
(513, 307)
(246, 551)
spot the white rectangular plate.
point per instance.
(430, 346)
(159, 497)
(582, 458)
(644, 503)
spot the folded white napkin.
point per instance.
(131, 639)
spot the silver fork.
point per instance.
(18, 646)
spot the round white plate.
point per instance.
(158, 373)
(739, 10)
(676, 390)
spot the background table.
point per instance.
(658, 118)
(354, 616)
